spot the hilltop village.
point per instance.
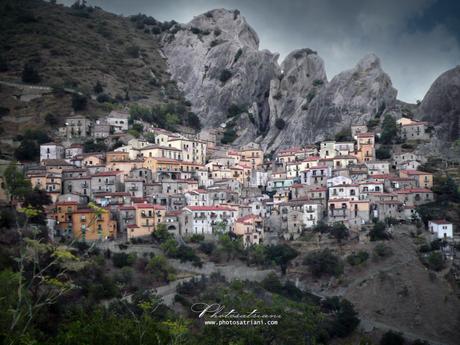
(194, 185)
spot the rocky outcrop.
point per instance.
(441, 105)
(352, 97)
(216, 61)
(302, 77)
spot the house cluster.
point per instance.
(194, 186)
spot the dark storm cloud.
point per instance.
(416, 39)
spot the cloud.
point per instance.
(411, 37)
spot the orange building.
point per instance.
(87, 225)
(147, 217)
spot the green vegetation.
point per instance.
(379, 232)
(30, 74)
(344, 135)
(372, 124)
(324, 262)
(225, 75)
(382, 251)
(280, 123)
(235, 110)
(318, 82)
(383, 152)
(358, 258)
(390, 130)
(434, 261)
(238, 55)
(29, 148)
(166, 116)
(122, 259)
(79, 102)
(97, 145)
(392, 338)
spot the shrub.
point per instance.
(383, 152)
(435, 261)
(207, 247)
(195, 30)
(389, 130)
(225, 75)
(103, 98)
(280, 123)
(372, 123)
(358, 258)
(193, 120)
(229, 136)
(379, 232)
(132, 51)
(392, 338)
(30, 74)
(51, 119)
(79, 102)
(98, 87)
(318, 82)
(196, 238)
(324, 263)
(382, 251)
(310, 96)
(238, 54)
(344, 134)
(122, 259)
(235, 110)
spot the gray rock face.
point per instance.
(441, 105)
(352, 97)
(216, 62)
(302, 76)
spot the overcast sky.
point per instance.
(416, 40)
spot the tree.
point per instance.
(340, 231)
(446, 189)
(346, 318)
(281, 254)
(435, 261)
(30, 74)
(123, 259)
(51, 119)
(98, 88)
(225, 75)
(160, 268)
(383, 152)
(193, 121)
(79, 102)
(379, 232)
(392, 338)
(16, 184)
(324, 262)
(28, 151)
(389, 130)
(280, 123)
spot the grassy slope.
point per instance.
(71, 50)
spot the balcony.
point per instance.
(310, 210)
(84, 185)
(109, 183)
(145, 215)
(133, 189)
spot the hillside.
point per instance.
(72, 50)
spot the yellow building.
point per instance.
(422, 179)
(147, 217)
(87, 225)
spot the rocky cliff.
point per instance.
(217, 63)
(441, 105)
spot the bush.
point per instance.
(358, 258)
(229, 136)
(196, 238)
(132, 51)
(372, 123)
(435, 261)
(193, 121)
(379, 232)
(280, 123)
(382, 251)
(392, 338)
(324, 263)
(225, 75)
(237, 55)
(79, 102)
(51, 119)
(235, 110)
(122, 259)
(104, 98)
(98, 87)
(207, 247)
(389, 130)
(318, 82)
(383, 152)
(28, 150)
(30, 74)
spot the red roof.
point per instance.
(414, 172)
(440, 221)
(413, 190)
(210, 208)
(147, 205)
(246, 218)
